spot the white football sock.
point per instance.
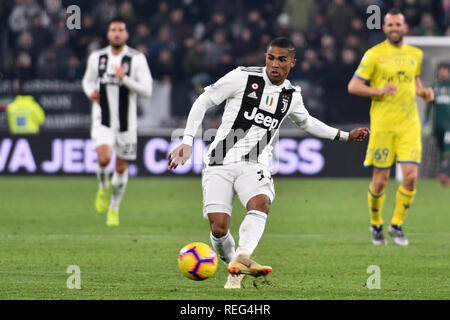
(251, 231)
(224, 246)
(103, 175)
(118, 185)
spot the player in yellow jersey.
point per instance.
(389, 74)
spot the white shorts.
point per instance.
(123, 143)
(221, 183)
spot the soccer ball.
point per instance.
(197, 261)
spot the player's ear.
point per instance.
(406, 28)
(293, 62)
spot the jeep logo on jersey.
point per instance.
(261, 120)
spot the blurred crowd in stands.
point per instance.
(191, 43)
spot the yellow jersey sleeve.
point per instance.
(367, 66)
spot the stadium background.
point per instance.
(190, 44)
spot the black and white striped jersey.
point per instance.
(117, 107)
(254, 111)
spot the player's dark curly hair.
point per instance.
(117, 19)
(283, 42)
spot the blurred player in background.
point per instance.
(393, 69)
(439, 114)
(115, 75)
(258, 99)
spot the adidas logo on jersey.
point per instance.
(260, 119)
(252, 95)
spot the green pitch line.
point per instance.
(317, 241)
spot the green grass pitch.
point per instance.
(316, 239)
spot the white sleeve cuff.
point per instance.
(343, 136)
(187, 139)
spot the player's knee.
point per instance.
(378, 185)
(379, 181)
(409, 181)
(260, 202)
(219, 230)
(121, 166)
(219, 223)
(103, 159)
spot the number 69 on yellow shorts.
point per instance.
(386, 147)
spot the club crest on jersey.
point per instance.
(285, 102)
(400, 61)
(126, 67)
(102, 63)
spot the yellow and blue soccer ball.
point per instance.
(197, 261)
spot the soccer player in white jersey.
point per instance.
(115, 75)
(257, 101)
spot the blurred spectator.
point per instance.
(71, 69)
(358, 28)
(193, 64)
(256, 24)
(163, 68)
(316, 31)
(142, 35)
(218, 22)
(164, 41)
(25, 42)
(244, 48)
(22, 13)
(54, 10)
(225, 65)
(340, 106)
(427, 26)
(302, 13)
(311, 68)
(160, 17)
(180, 29)
(338, 19)
(126, 12)
(353, 42)
(62, 51)
(214, 49)
(83, 37)
(47, 66)
(104, 11)
(39, 33)
(23, 67)
(328, 48)
(282, 26)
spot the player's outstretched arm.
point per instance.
(358, 87)
(183, 152)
